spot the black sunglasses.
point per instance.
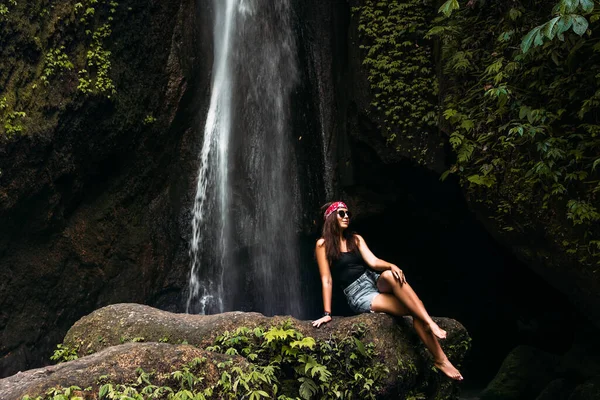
(343, 214)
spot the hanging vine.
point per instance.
(401, 71)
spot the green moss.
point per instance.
(50, 46)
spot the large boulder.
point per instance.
(582, 360)
(394, 341)
(525, 373)
(118, 364)
(558, 389)
(589, 390)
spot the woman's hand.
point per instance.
(378, 264)
(398, 274)
(321, 321)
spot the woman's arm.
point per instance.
(326, 282)
(378, 264)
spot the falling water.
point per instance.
(245, 215)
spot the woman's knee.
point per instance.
(388, 277)
(387, 282)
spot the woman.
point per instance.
(345, 256)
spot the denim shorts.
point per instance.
(362, 291)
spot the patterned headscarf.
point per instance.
(334, 207)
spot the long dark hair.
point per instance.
(331, 234)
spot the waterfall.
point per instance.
(246, 211)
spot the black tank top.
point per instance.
(348, 268)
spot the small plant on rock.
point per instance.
(64, 353)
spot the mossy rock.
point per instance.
(558, 389)
(590, 390)
(395, 342)
(525, 372)
(117, 364)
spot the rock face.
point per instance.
(531, 373)
(557, 389)
(96, 198)
(587, 391)
(103, 331)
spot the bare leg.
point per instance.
(407, 296)
(440, 359)
(388, 303)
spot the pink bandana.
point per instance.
(334, 207)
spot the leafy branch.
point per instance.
(568, 14)
(524, 127)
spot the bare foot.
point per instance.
(447, 368)
(436, 330)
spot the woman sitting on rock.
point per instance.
(371, 284)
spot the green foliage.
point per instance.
(164, 339)
(58, 393)
(150, 119)
(566, 17)
(524, 127)
(581, 212)
(340, 367)
(564, 20)
(94, 77)
(5, 9)
(137, 339)
(64, 353)
(448, 7)
(416, 396)
(460, 348)
(55, 61)
(282, 364)
(401, 71)
(11, 120)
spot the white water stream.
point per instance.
(245, 216)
